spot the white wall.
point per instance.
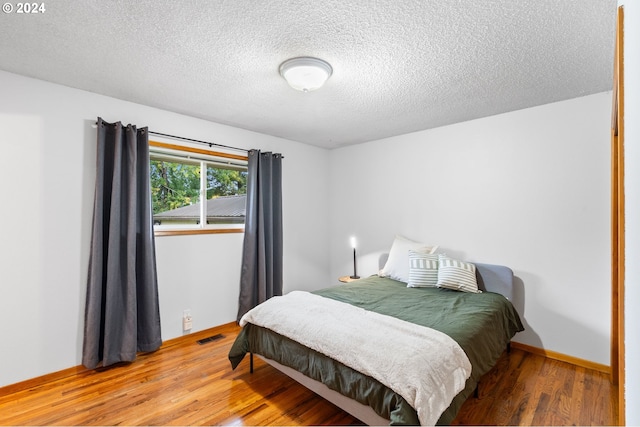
(47, 170)
(632, 207)
(527, 189)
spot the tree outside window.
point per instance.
(177, 185)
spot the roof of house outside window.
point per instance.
(224, 207)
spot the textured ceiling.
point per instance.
(399, 65)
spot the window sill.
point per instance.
(160, 233)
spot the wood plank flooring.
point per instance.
(185, 383)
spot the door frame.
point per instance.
(618, 221)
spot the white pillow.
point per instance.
(457, 275)
(423, 270)
(397, 265)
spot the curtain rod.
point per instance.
(210, 144)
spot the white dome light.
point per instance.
(305, 73)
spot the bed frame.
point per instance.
(492, 278)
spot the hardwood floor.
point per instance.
(185, 383)
(526, 389)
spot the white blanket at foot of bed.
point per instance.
(424, 366)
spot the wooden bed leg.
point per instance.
(251, 363)
(476, 392)
(509, 347)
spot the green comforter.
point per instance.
(482, 324)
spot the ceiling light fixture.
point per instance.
(305, 73)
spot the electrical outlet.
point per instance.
(187, 320)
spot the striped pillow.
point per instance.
(423, 270)
(457, 275)
(397, 265)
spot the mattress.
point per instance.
(482, 324)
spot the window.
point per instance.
(196, 191)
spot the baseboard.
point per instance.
(195, 336)
(562, 357)
(38, 381)
(76, 370)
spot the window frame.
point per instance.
(184, 151)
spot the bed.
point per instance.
(480, 324)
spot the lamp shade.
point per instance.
(305, 74)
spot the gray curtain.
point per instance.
(261, 274)
(122, 315)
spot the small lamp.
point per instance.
(353, 245)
